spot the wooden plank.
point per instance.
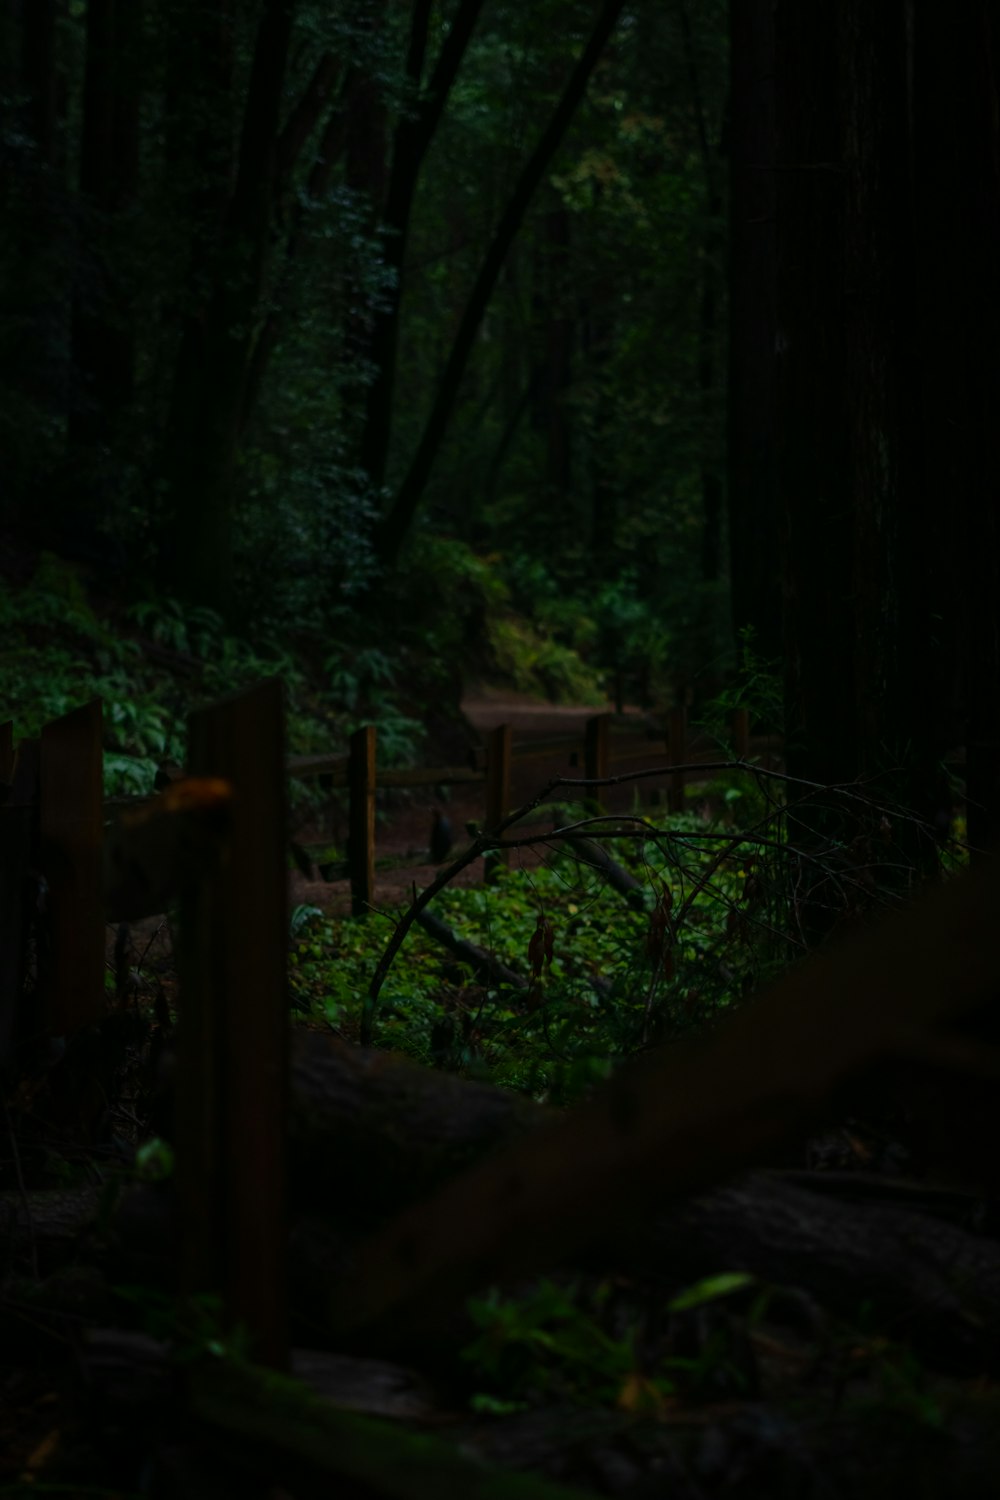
(498, 747)
(596, 754)
(17, 830)
(429, 776)
(71, 981)
(361, 820)
(677, 744)
(234, 1029)
(551, 746)
(305, 766)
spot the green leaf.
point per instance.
(711, 1289)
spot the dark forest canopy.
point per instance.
(327, 314)
(294, 289)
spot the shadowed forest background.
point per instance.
(457, 362)
(539, 344)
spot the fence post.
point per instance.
(597, 754)
(233, 1034)
(361, 819)
(498, 746)
(71, 791)
(741, 733)
(677, 739)
(20, 779)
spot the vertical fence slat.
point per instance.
(71, 981)
(234, 1029)
(20, 777)
(498, 756)
(361, 819)
(597, 754)
(676, 752)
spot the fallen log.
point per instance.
(370, 1131)
(928, 1280)
(621, 880)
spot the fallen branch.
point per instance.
(487, 968)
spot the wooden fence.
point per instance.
(597, 751)
(214, 843)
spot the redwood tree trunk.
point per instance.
(814, 488)
(214, 357)
(956, 157)
(886, 331)
(103, 338)
(754, 566)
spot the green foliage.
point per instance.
(531, 661)
(633, 638)
(756, 685)
(59, 653)
(194, 1328)
(711, 1289)
(545, 1343)
(364, 683)
(621, 974)
(154, 1161)
(562, 1341)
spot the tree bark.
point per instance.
(754, 568)
(103, 337)
(867, 329)
(953, 574)
(214, 356)
(814, 442)
(331, 148)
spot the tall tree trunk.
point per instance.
(214, 356)
(954, 573)
(103, 354)
(813, 438)
(858, 434)
(396, 525)
(366, 175)
(330, 150)
(553, 364)
(597, 323)
(38, 75)
(36, 256)
(754, 552)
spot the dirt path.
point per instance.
(403, 831)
